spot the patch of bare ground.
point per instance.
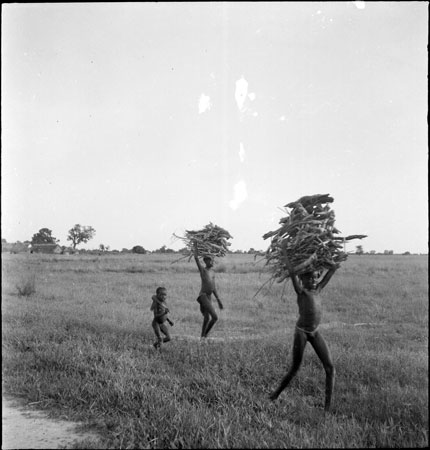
(23, 427)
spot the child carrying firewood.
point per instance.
(308, 289)
(160, 310)
(208, 287)
(303, 247)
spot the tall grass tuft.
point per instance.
(26, 287)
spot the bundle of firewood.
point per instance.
(307, 239)
(211, 240)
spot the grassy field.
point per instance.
(80, 347)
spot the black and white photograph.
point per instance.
(214, 224)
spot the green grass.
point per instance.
(80, 346)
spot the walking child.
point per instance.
(208, 287)
(308, 289)
(160, 310)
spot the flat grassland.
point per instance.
(81, 347)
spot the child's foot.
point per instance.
(273, 396)
(166, 340)
(157, 345)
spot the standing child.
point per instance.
(207, 276)
(159, 307)
(309, 303)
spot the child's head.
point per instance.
(309, 279)
(208, 260)
(161, 293)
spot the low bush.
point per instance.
(26, 287)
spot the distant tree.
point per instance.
(359, 250)
(5, 246)
(372, 252)
(164, 249)
(138, 249)
(388, 252)
(407, 253)
(79, 234)
(43, 236)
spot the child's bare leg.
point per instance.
(299, 344)
(211, 324)
(209, 314)
(165, 331)
(156, 327)
(321, 349)
(213, 319)
(206, 318)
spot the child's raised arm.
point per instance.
(296, 283)
(294, 279)
(196, 257)
(328, 276)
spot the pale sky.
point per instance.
(147, 119)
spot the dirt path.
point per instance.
(25, 428)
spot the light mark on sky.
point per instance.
(240, 93)
(204, 103)
(251, 96)
(241, 153)
(192, 162)
(240, 194)
(282, 118)
(360, 4)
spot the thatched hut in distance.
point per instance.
(45, 248)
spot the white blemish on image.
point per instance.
(241, 153)
(241, 93)
(360, 4)
(192, 162)
(204, 103)
(240, 194)
(251, 96)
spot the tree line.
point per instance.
(81, 234)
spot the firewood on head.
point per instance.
(306, 238)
